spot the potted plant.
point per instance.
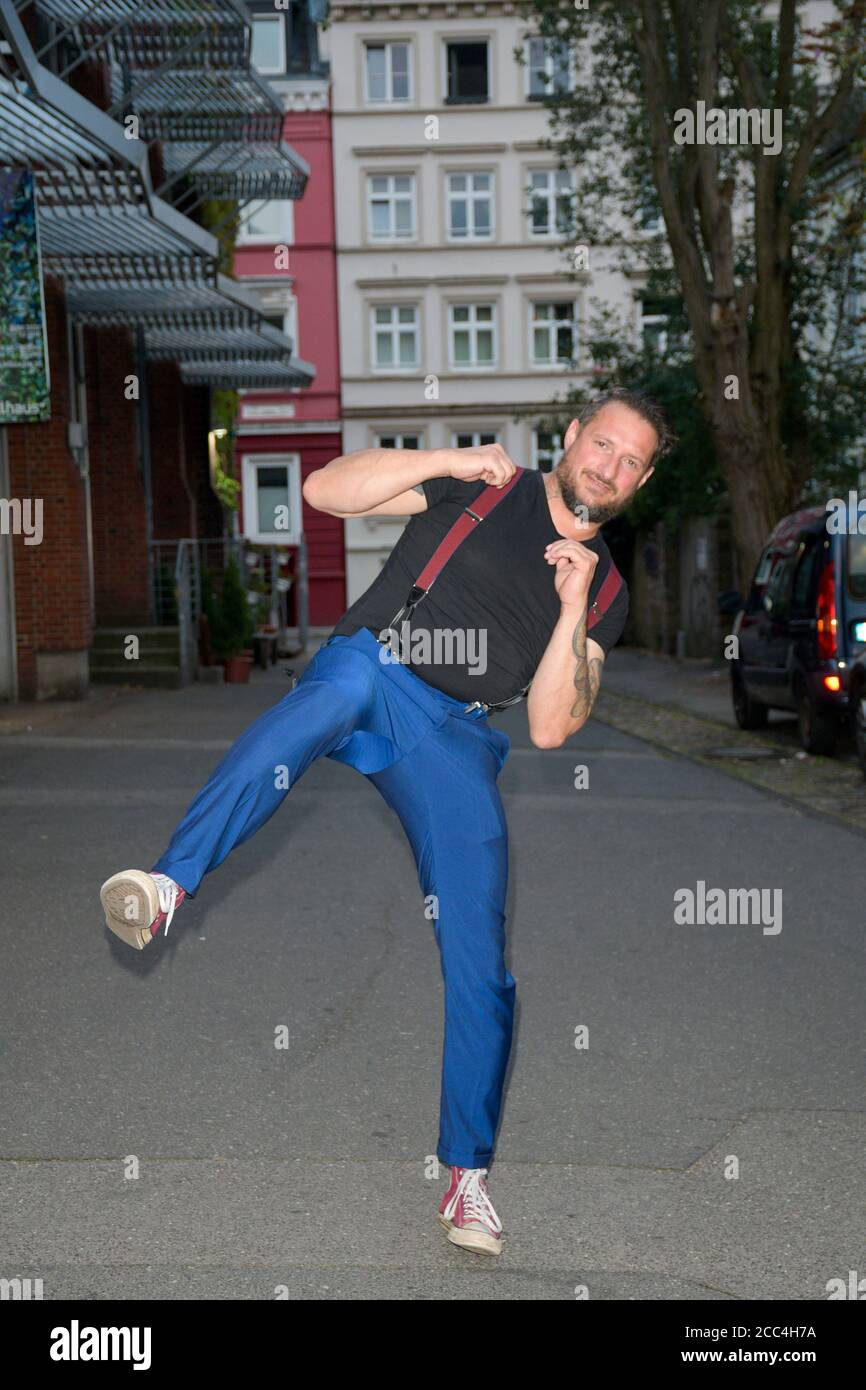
(234, 626)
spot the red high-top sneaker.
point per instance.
(136, 905)
(467, 1214)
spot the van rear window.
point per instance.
(857, 567)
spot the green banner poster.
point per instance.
(24, 376)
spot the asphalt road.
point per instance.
(308, 1167)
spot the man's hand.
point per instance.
(575, 566)
(485, 461)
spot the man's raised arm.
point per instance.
(382, 482)
(375, 481)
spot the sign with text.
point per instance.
(25, 384)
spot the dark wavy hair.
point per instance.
(642, 404)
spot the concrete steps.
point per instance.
(157, 664)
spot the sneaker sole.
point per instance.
(476, 1241)
(115, 895)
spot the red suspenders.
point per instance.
(465, 524)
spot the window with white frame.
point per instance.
(268, 222)
(656, 336)
(398, 441)
(472, 439)
(546, 449)
(548, 66)
(472, 335)
(391, 206)
(650, 221)
(272, 498)
(553, 333)
(551, 194)
(387, 72)
(470, 206)
(268, 50)
(286, 320)
(395, 337)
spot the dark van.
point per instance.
(802, 625)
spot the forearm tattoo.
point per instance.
(587, 675)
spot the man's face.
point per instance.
(605, 462)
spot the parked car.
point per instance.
(802, 629)
(857, 700)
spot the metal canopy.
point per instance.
(149, 33)
(244, 374)
(182, 68)
(150, 292)
(209, 324)
(93, 185)
(239, 171)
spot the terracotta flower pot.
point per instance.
(237, 670)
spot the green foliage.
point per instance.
(602, 131)
(212, 612)
(234, 624)
(221, 217)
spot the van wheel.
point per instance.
(818, 729)
(748, 712)
(860, 726)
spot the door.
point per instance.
(775, 632)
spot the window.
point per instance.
(801, 593)
(657, 336)
(391, 204)
(467, 77)
(650, 221)
(553, 333)
(472, 439)
(472, 335)
(548, 67)
(268, 51)
(286, 321)
(551, 193)
(272, 498)
(857, 566)
(395, 337)
(546, 449)
(470, 206)
(269, 223)
(387, 72)
(398, 441)
(778, 593)
(654, 333)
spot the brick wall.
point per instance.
(52, 600)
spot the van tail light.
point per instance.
(827, 612)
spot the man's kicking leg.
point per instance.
(445, 795)
(244, 791)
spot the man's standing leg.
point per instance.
(446, 797)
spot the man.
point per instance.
(417, 727)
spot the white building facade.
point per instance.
(461, 301)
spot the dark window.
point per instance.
(754, 602)
(778, 593)
(857, 566)
(801, 594)
(467, 72)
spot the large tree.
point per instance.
(763, 249)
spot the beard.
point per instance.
(597, 512)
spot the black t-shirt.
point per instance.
(482, 629)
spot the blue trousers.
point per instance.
(436, 766)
